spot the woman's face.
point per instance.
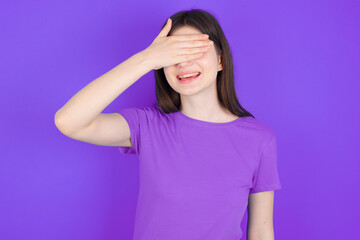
(208, 64)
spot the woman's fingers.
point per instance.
(169, 50)
(164, 32)
(194, 44)
(184, 51)
(190, 37)
(184, 58)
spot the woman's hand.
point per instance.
(169, 50)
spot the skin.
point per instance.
(260, 216)
(199, 98)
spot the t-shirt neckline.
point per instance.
(205, 123)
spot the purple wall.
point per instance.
(296, 67)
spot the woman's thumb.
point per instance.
(164, 32)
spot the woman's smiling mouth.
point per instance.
(188, 77)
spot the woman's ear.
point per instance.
(220, 66)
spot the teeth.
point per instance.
(189, 75)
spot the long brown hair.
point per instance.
(167, 98)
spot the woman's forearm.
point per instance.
(91, 100)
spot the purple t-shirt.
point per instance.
(196, 176)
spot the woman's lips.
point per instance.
(187, 80)
(184, 73)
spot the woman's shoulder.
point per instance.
(153, 109)
(257, 127)
(141, 113)
(152, 112)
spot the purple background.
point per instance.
(296, 68)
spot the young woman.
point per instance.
(203, 158)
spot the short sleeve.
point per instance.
(138, 121)
(266, 176)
